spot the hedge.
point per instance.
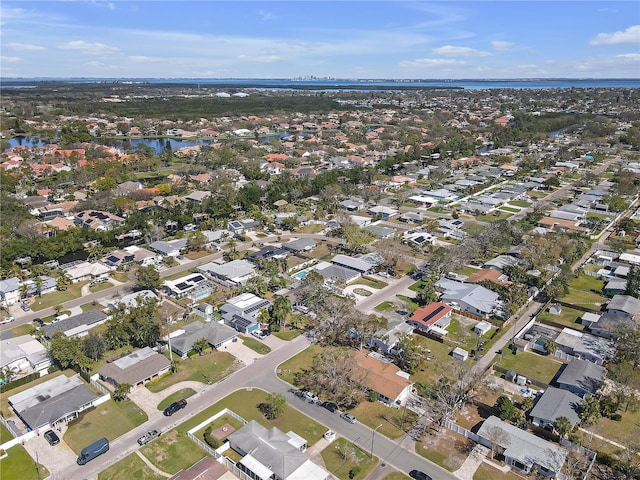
(5, 387)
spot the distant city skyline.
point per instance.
(341, 39)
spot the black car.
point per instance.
(418, 475)
(332, 407)
(51, 437)
(174, 407)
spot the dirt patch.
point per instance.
(223, 431)
(447, 448)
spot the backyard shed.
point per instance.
(460, 353)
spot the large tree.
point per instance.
(334, 371)
(148, 278)
(273, 406)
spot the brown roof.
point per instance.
(381, 377)
(485, 274)
(431, 313)
(560, 224)
(206, 469)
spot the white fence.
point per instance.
(462, 431)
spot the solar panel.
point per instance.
(433, 314)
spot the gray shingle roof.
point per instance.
(135, 367)
(625, 303)
(582, 374)
(85, 318)
(214, 332)
(555, 403)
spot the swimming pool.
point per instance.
(301, 274)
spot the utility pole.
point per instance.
(373, 435)
(169, 340)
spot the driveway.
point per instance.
(56, 458)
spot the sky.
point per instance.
(336, 39)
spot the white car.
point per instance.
(6, 320)
(329, 436)
(310, 397)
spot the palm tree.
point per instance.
(38, 283)
(62, 283)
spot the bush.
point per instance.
(616, 417)
(5, 387)
(354, 471)
(212, 441)
(373, 396)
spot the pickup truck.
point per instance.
(147, 437)
(174, 407)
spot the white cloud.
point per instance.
(24, 47)
(501, 46)
(146, 59)
(88, 48)
(431, 62)
(266, 16)
(10, 59)
(630, 35)
(451, 51)
(269, 58)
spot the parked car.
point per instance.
(329, 436)
(348, 417)
(301, 308)
(310, 397)
(38, 321)
(6, 320)
(418, 475)
(174, 407)
(332, 407)
(147, 437)
(24, 306)
(51, 437)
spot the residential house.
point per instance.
(79, 271)
(171, 248)
(266, 252)
(22, 355)
(615, 286)
(491, 274)
(270, 454)
(351, 205)
(133, 299)
(194, 285)
(434, 318)
(621, 310)
(352, 263)
(498, 263)
(386, 341)
(411, 217)
(47, 285)
(559, 225)
(76, 325)
(97, 220)
(53, 402)
(241, 226)
(241, 312)
(522, 450)
(206, 469)
(232, 274)
(585, 346)
(383, 212)
(418, 238)
(380, 232)
(582, 377)
(469, 298)
(137, 368)
(118, 258)
(553, 404)
(300, 245)
(381, 376)
(198, 196)
(9, 291)
(331, 273)
(217, 334)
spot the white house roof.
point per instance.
(24, 346)
(352, 263)
(233, 270)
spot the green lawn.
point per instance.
(20, 466)
(437, 457)
(410, 304)
(175, 396)
(509, 209)
(312, 228)
(5, 434)
(370, 282)
(24, 329)
(493, 218)
(91, 306)
(584, 299)
(519, 203)
(336, 463)
(174, 451)
(586, 283)
(385, 306)
(131, 467)
(296, 363)
(98, 287)
(197, 254)
(566, 317)
(287, 335)
(120, 276)
(396, 476)
(395, 421)
(487, 472)
(622, 431)
(467, 270)
(57, 298)
(254, 345)
(110, 419)
(531, 365)
(217, 423)
(214, 365)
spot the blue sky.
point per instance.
(344, 39)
